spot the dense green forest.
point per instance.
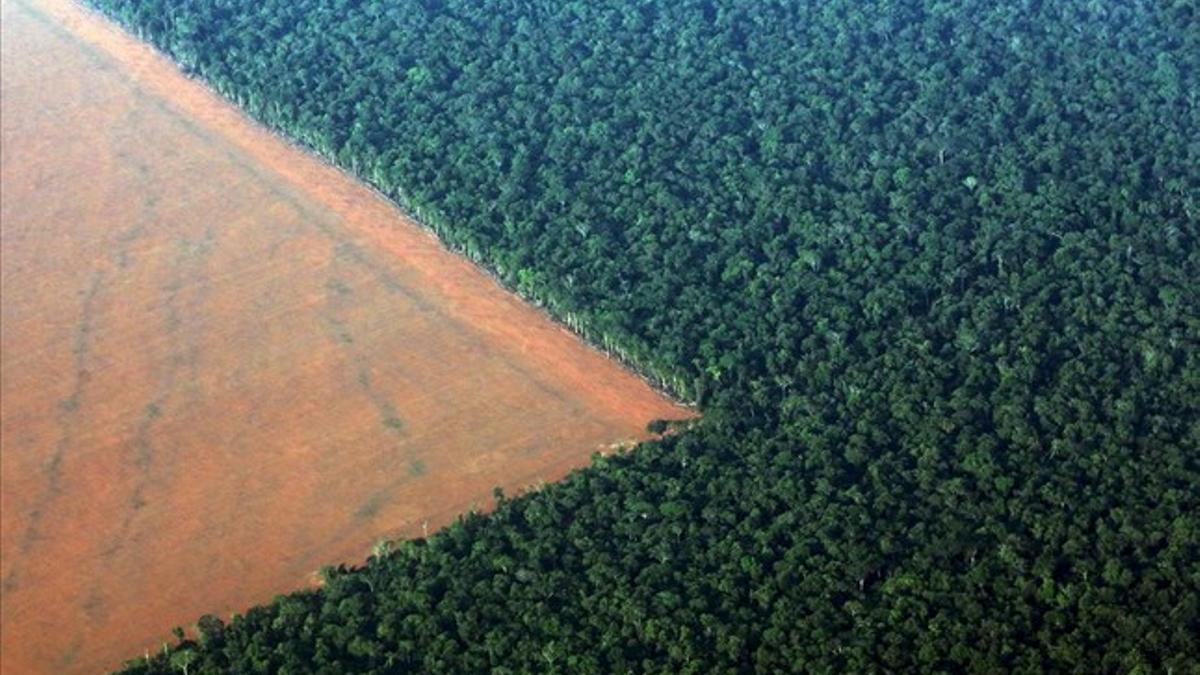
(931, 269)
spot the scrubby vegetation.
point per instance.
(930, 269)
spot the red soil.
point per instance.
(225, 364)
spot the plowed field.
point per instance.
(226, 364)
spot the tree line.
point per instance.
(929, 268)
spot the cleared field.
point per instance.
(226, 364)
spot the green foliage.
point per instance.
(930, 268)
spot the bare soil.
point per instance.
(225, 364)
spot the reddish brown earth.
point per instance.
(225, 364)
